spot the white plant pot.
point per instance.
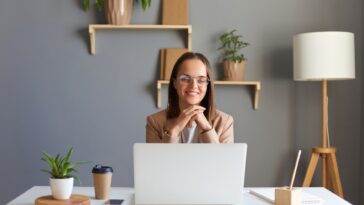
(61, 188)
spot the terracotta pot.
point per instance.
(118, 12)
(234, 71)
(61, 188)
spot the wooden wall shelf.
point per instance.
(255, 84)
(93, 27)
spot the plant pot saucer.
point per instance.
(75, 199)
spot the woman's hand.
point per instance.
(202, 123)
(186, 117)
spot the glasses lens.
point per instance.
(186, 80)
(202, 80)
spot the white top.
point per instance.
(28, 197)
(189, 135)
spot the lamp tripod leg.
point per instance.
(311, 169)
(335, 177)
(330, 171)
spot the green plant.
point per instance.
(100, 4)
(61, 167)
(232, 43)
(86, 4)
(145, 4)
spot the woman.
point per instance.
(191, 116)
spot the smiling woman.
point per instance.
(191, 115)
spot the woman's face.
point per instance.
(191, 83)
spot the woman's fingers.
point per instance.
(194, 107)
(186, 118)
(197, 117)
(190, 114)
(202, 122)
(192, 110)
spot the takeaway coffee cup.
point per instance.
(102, 181)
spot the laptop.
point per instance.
(189, 173)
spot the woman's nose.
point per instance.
(193, 82)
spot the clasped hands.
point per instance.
(187, 116)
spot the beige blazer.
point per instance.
(222, 129)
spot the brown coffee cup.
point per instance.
(102, 181)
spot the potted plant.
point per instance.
(118, 12)
(61, 177)
(234, 62)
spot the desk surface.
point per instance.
(28, 197)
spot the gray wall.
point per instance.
(54, 94)
(362, 125)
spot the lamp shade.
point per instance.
(325, 55)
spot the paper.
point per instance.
(268, 195)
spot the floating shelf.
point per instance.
(256, 90)
(93, 27)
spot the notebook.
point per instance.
(175, 12)
(189, 173)
(169, 56)
(268, 195)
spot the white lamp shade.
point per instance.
(328, 55)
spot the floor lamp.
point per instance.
(323, 56)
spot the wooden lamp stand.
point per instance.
(330, 171)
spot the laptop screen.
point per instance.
(189, 173)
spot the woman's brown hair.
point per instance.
(207, 102)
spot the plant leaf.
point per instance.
(47, 171)
(69, 154)
(86, 5)
(100, 5)
(231, 43)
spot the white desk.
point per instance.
(28, 197)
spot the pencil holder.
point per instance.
(286, 196)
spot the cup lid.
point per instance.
(98, 168)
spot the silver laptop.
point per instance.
(189, 173)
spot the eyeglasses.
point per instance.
(187, 80)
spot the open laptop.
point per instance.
(189, 173)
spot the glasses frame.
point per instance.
(192, 79)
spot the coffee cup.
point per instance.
(102, 181)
